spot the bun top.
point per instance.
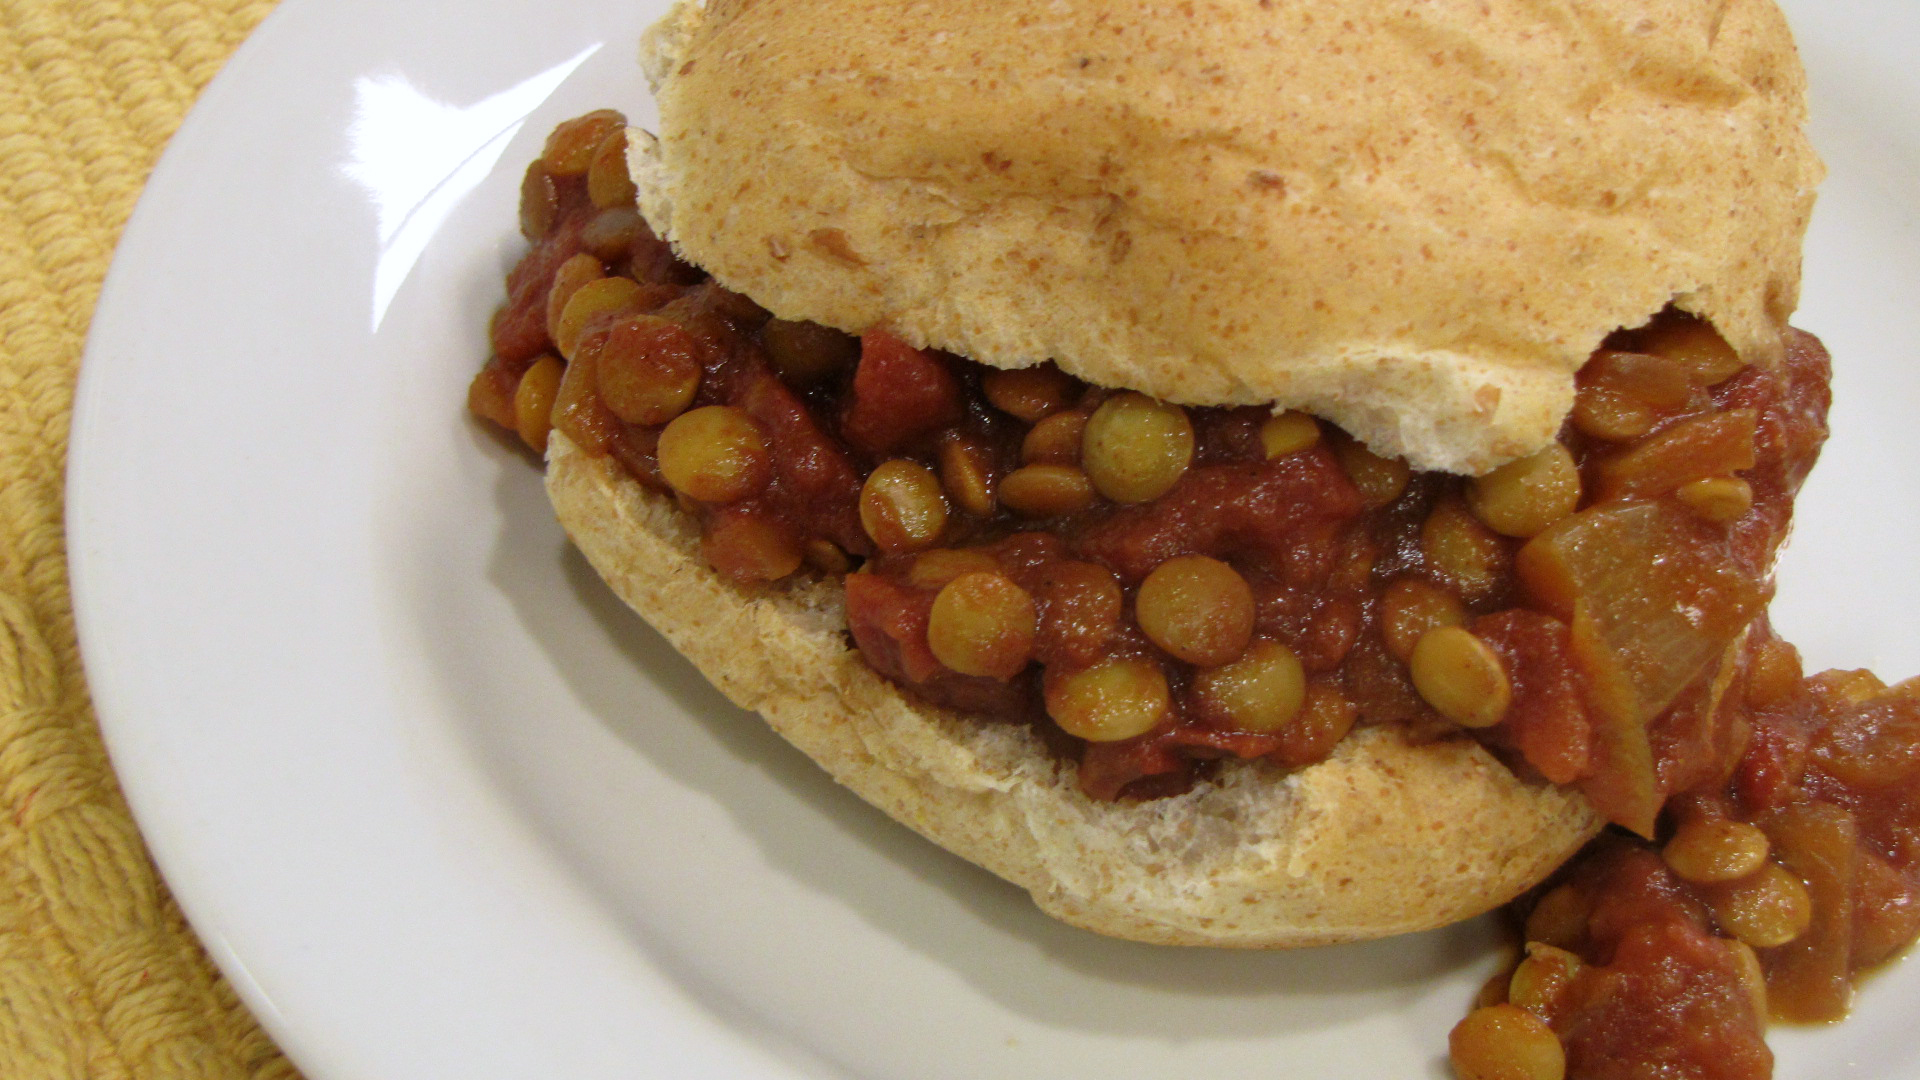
(1416, 220)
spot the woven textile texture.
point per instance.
(100, 977)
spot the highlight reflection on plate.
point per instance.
(441, 807)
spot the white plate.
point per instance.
(441, 808)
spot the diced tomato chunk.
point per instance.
(1547, 722)
(899, 394)
(889, 624)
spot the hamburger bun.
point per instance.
(1414, 220)
(1415, 223)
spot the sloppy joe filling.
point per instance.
(1156, 588)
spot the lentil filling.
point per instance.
(1156, 588)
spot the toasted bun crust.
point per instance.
(1383, 838)
(1416, 220)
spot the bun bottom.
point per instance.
(1384, 837)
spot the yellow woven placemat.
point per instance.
(100, 977)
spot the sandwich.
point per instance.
(1254, 474)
